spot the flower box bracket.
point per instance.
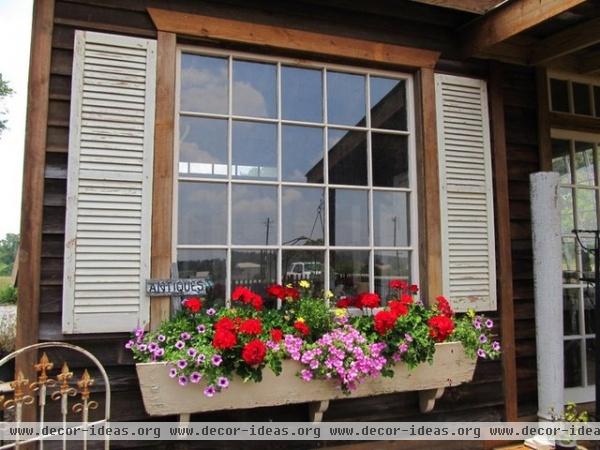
(163, 395)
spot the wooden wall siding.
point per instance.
(480, 400)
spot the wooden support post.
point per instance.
(316, 410)
(428, 397)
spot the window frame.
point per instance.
(571, 78)
(229, 180)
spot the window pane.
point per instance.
(346, 99)
(587, 258)
(202, 213)
(203, 147)
(303, 215)
(388, 103)
(254, 214)
(302, 154)
(348, 272)
(573, 375)
(254, 150)
(586, 209)
(347, 157)
(390, 265)
(207, 264)
(582, 99)
(204, 84)
(597, 100)
(561, 160)
(569, 264)
(391, 219)
(560, 96)
(390, 160)
(591, 361)
(301, 94)
(566, 210)
(254, 89)
(584, 163)
(256, 269)
(348, 217)
(304, 265)
(589, 302)
(571, 311)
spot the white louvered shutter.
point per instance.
(109, 190)
(468, 247)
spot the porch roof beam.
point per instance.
(590, 64)
(509, 20)
(568, 41)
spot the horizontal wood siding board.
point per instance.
(290, 39)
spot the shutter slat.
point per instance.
(466, 193)
(107, 258)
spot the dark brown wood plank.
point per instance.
(162, 195)
(503, 251)
(290, 39)
(33, 186)
(543, 104)
(573, 122)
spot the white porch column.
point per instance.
(547, 273)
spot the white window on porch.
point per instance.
(291, 171)
(575, 158)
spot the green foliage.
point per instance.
(5, 91)
(8, 294)
(475, 333)
(8, 252)
(314, 311)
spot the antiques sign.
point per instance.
(177, 287)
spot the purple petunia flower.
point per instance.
(139, 332)
(159, 352)
(195, 377)
(496, 346)
(483, 339)
(182, 363)
(481, 353)
(172, 372)
(161, 338)
(142, 347)
(408, 337)
(217, 360)
(192, 352)
(179, 345)
(129, 344)
(477, 324)
(201, 328)
(185, 336)
(183, 380)
(152, 347)
(489, 323)
(211, 311)
(210, 391)
(201, 358)
(223, 382)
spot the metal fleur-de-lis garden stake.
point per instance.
(41, 386)
(64, 392)
(19, 399)
(86, 405)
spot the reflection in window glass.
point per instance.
(586, 209)
(571, 311)
(388, 103)
(347, 157)
(301, 94)
(572, 363)
(597, 100)
(585, 163)
(566, 210)
(589, 304)
(348, 217)
(346, 104)
(253, 214)
(390, 265)
(561, 160)
(569, 261)
(391, 219)
(303, 215)
(304, 265)
(591, 361)
(201, 213)
(302, 154)
(254, 150)
(255, 269)
(582, 99)
(206, 264)
(204, 84)
(202, 147)
(390, 160)
(254, 89)
(348, 272)
(587, 259)
(559, 94)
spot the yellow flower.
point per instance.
(289, 285)
(300, 319)
(304, 284)
(339, 312)
(329, 294)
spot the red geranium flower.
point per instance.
(369, 300)
(276, 290)
(343, 302)
(192, 304)
(254, 352)
(413, 288)
(300, 326)
(406, 299)
(256, 301)
(398, 284)
(224, 323)
(440, 327)
(276, 335)
(241, 294)
(292, 293)
(398, 307)
(251, 326)
(443, 306)
(384, 321)
(224, 339)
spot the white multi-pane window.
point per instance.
(575, 158)
(289, 171)
(579, 95)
